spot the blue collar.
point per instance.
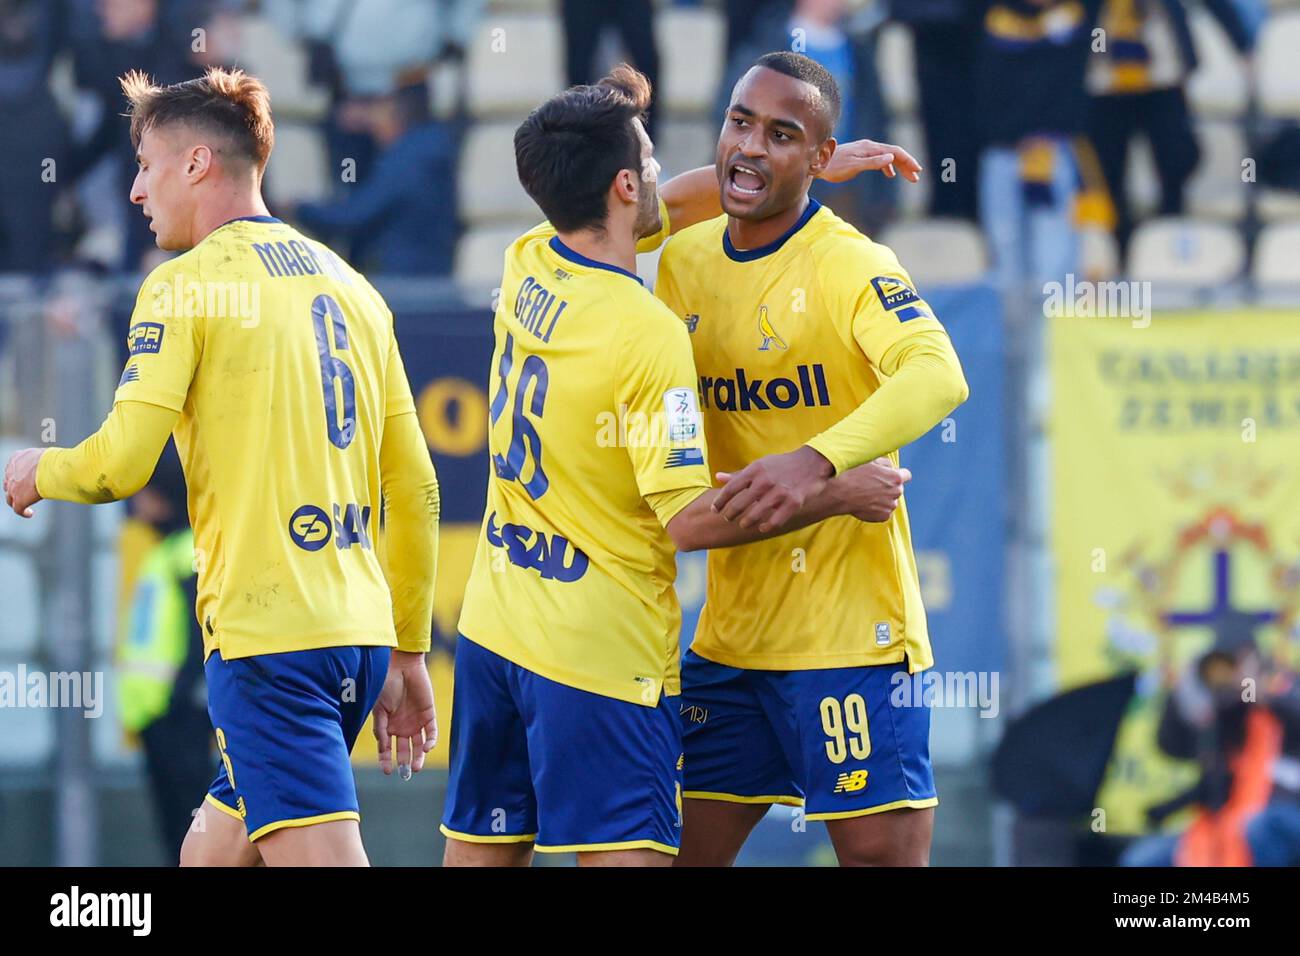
(749, 255)
(564, 252)
(251, 219)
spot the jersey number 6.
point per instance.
(333, 368)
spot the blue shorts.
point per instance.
(285, 725)
(567, 770)
(828, 740)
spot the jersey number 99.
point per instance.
(845, 727)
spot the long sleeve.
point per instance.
(409, 545)
(112, 464)
(925, 383)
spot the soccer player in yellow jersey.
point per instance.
(275, 366)
(565, 730)
(811, 342)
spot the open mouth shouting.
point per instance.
(746, 181)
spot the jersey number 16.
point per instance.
(525, 439)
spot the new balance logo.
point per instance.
(851, 782)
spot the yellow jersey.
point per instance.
(593, 410)
(789, 339)
(282, 362)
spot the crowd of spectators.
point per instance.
(1026, 121)
(70, 204)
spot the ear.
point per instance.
(198, 163)
(627, 185)
(822, 157)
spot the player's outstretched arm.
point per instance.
(869, 493)
(925, 384)
(865, 155)
(693, 197)
(409, 556)
(112, 464)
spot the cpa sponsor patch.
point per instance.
(145, 338)
(894, 293)
(683, 411)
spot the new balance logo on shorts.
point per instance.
(851, 782)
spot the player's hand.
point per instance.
(871, 492)
(864, 155)
(20, 480)
(405, 711)
(770, 491)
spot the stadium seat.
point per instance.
(281, 63)
(1143, 187)
(521, 6)
(1277, 255)
(480, 254)
(1218, 86)
(300, 171)
(914, 198)
(690, 52)
(1186, 252)
(894, 60)
(939, 251)
(1278, 64)
(20, 596)
(1216, 189)
(488, 186)
(1098, 254)
(1277, 205)
(515, 61)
